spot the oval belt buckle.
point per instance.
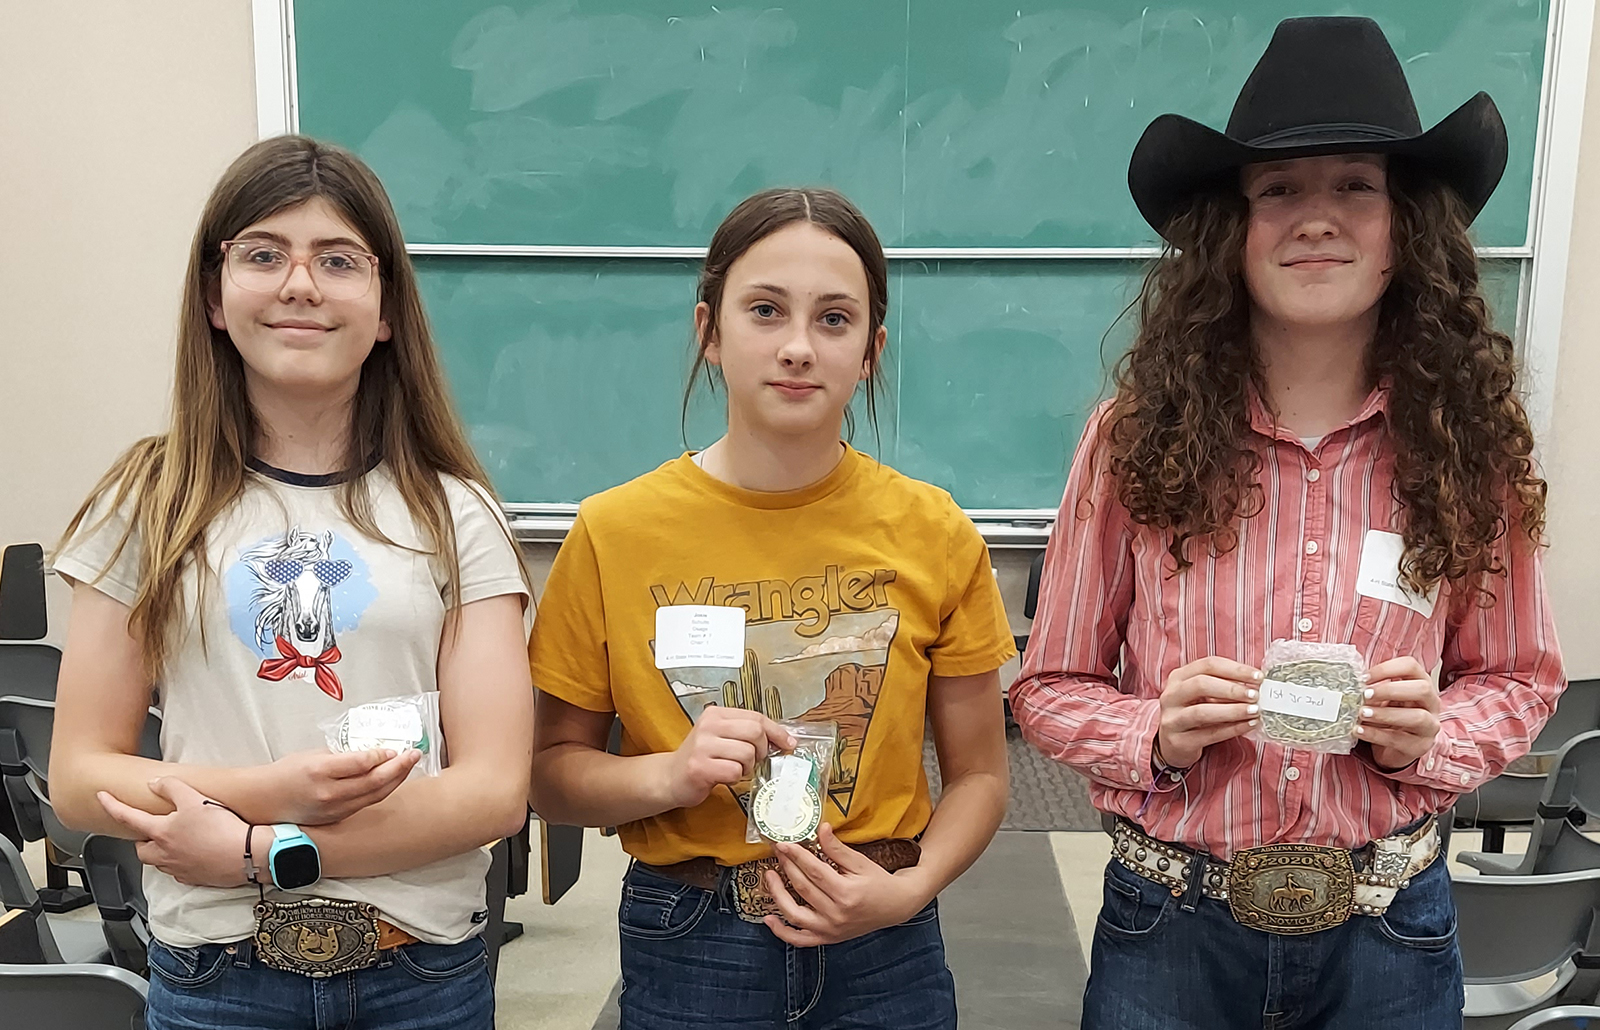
(1291, 888)
(317, 937)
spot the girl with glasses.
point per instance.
(311, 533)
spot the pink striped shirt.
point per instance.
(1108, 598)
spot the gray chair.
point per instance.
(60, 940)
(116, 879)
(1576, 1017)
(82, 997)
(1512, 798)
(1554, 845)
(23, 615)
(26, 725)
(1514, 929)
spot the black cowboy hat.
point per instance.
(1324, 86)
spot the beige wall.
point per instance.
(116, 118)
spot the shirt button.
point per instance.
(1136, 776)
(1304, 625)
(1311, 547)
(1465, 779)
(1314, 475)
(1428, 764)
(1293, 774)
(1095, 769)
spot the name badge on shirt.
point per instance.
(1379, 575)
(690, 636)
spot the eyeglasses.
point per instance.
(262, 266)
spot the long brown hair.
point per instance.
(763, 214)
(176, 484)
(1178, 434)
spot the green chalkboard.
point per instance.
(951, 122)
(569, 373)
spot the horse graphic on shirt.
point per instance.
(293, 601)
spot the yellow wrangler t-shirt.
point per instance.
(856, 589)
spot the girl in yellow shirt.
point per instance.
(868, 601)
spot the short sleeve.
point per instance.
(484, 549)
(92, 555)
(974, 634)
(567, 652)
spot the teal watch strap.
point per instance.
(302, 865)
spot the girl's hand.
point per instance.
(1401, 717)
(722, 748)
(316, 788)
(1206, 702)
(857, 898)
(198, 844)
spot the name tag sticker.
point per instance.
(1379, 575)
(692, 636)
(1317, 703)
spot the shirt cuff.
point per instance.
(1132, 767)
(1451, 765)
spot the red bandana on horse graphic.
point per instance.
(278, 668)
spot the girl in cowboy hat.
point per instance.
(1316, 436)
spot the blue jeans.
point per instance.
(688, 960)
(414, 987)
(1156, 966)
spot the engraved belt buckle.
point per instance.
(751, 898)
(317, 937)
(1291, 888)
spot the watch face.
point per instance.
(296, 866)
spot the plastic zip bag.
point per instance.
(790, 787)
(1311, 695)
(396, 723)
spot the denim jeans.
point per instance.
(1156, 966)
(688, 960)
(414, 987)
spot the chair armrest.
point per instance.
(1494, 865)
(1545, 1017)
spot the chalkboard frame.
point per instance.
(1544, 254)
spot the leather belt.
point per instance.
(750, 894)
(1286, 888)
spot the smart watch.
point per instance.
(293, 861)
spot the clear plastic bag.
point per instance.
(396, 723)
(790, 787)
(1311, 695)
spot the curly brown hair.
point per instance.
(1179, 444)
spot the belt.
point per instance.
(319, 938)
(750, 894)
(1286, 888)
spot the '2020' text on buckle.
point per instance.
(1291, 888)
(317, 937)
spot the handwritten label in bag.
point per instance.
(1317, 703)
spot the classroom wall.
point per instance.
(116, 118)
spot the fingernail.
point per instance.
(1257, 675)
(1366, 713)
(1361, 729)
(1253, 709)
(1251, 694)
(1253, 722)
(1368, 693)
(152, 783)
(387, 754)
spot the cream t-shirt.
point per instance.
(293, 577)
